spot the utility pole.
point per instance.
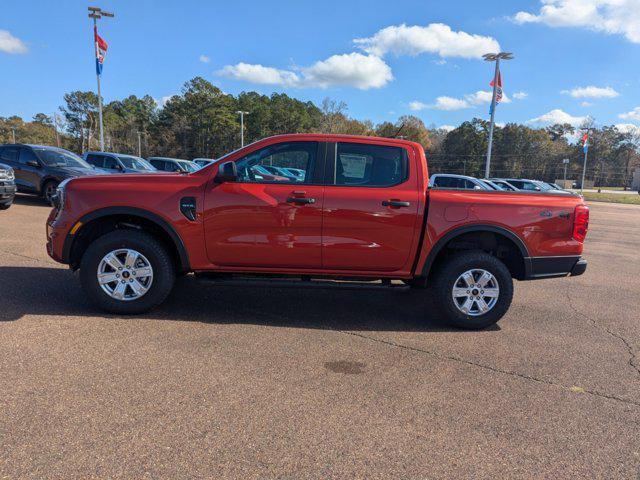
(139, 145)
(565, 163)
(97, 13)
(494, 57)
(13, 131)
(242, 114)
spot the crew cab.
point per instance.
(362, 213)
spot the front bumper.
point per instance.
(56, 236)
(551, 267)
(7, 191)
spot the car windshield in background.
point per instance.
(135, 163)
(187, 167)
(60, 158)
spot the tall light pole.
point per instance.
(139, 145)
(96, 13)
(13, 130)
(565, 162)
(494, 57)
(242, 114)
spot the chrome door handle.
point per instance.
(395, 203)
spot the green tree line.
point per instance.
(202, 121)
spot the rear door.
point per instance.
(30, 174)
(268, 221)
(370, 207)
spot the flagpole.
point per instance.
(491, 121)
(95, 44)
(494, 57)
(96, 13)
(584, 166)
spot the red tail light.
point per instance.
(580, 222)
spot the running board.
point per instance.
(279, 282)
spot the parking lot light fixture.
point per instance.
(494, 57)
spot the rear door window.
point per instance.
(26, 155)
(359, 164)
(95, 160)
(9, 154)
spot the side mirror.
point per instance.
(228, 172)
(33, 163)
(477, 187)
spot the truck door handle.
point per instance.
(395, 203)
(301, 200)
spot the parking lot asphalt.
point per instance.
(255, 382)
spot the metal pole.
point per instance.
(491, 122)
(13, 131)
(55, 128)
(95, 44)
(139, 146)
(565, 175)
(241, 129)
(584, 170)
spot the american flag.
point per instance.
(101, 50)
(498, 90)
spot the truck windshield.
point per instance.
(60, 158)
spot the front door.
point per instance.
(370, 208)
(270, 218)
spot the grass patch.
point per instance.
(632, 199)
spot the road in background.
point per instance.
(255, 382)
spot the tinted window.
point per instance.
(26, 155)
(159, 164)
(135, 163)
(10, 154)
(268, 164)
(369, 165)
(60, 158)
(110, 163)
(96, 160)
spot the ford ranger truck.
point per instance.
(361, 212)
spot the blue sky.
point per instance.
(574, 58)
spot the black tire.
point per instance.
(48, 190)
(449, 272)
(163, 271)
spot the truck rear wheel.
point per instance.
(473, 289)
(127, 272)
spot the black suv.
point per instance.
(7, 186)
(39, 169)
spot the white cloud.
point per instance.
(610, 16)
(352, 69)
(557, 116)
(434, 38)
(591, 92)
(11, 44)
(204, 58)
(416, 106)
(628, 128)
(163, 100)
(632, 115)
(440, 62)
(586, 104)
(450, 104)
(520, 95)
(446, 128)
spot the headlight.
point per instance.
(60, 196)
(7, 174)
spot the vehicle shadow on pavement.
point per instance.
(57, 292)
(31, 200)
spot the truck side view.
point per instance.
(358, 210)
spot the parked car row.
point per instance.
(39, 169)
(464, 182)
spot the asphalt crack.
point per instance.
(490, 368)
(632, 355)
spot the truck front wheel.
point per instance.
(127, 272)
(473, 289)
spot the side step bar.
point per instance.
(303, 282)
